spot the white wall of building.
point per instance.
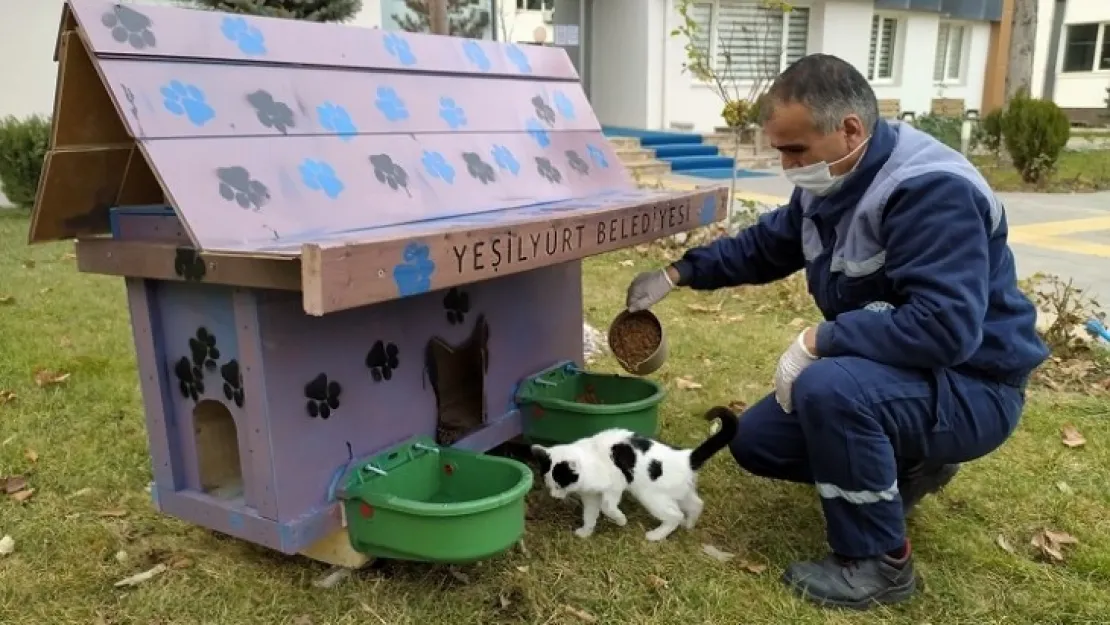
(1073, 89)
(621, 61)
(839, 27)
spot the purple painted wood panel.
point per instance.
(577, 207)
(144, 30)
(240, 194)
(157, 390)
(159, 228)
(535, 320)
(255, 422)
(208, 100)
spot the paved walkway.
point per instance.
(1066, 234)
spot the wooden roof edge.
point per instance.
(344, 275)
(177, 263)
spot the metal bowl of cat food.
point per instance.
(638, 341)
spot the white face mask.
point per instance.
(817, 178)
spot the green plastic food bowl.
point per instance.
(565, 404)
(419, 501)
(655, 360)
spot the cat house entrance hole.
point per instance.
(217, 444)
(457, 375)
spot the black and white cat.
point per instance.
(600, 468)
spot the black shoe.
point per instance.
(917, 482)
(854, 584)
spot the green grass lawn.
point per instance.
(1075, 171)
(90, 522)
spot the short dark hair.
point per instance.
(830, 87)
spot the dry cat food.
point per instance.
(588, 396)
(635, 337)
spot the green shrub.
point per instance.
(1034, 132)
(23, 144)
(944, 128)
(989, 131)
(736, 113)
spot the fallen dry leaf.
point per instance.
(7, 545)
(702, 308)
(44, 290)
(303, 619)
(82, 492)
(580, 614)
(31, 455)
(796, 322)
(331, 579)
(734, 318)
(7, 440)
(737, 406)
(686, 384)
(6, 397)
(627, 263)
(139, 578)
(121, 556)
(522, 569)
(1001, 541)
(46, 377)
(13, 484)
(1050, 543)
(22, 496)
(1071, 436)
(69, 256)
(113, 513)
(1064, 488)
(717, 554)
(6, 300)
(754, 568)
(657, 582)
(65, 341)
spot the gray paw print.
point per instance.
(577, 163)
(477, 168)
(547, 170)
(236, 185)
(388, 172)
(129, 26)
(543, 111)
(271, 113)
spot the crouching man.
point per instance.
(922, 360)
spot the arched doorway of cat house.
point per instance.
(457, 374)
(217, 445)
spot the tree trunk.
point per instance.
(437, 17)
(1019, 72)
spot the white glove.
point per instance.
(795, 359)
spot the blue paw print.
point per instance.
(597, 156)
(336, 119)
(452, 113)
(413, 275)
(476, 55)
(188, 100)
(538, 132)
(248, 38)
(564, 105)
(518, 58)
(708, 212)
(396, 46)
(390, 104)
(319, 176)
(438, 167)
(505, 159)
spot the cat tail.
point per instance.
(718, 441)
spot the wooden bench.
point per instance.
(890, 109)
(947, 107)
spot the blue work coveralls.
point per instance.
(927, 344)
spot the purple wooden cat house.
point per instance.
(333, 239)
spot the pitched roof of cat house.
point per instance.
(357, 165)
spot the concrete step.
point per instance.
(624, 143)
(682, 149)
(699, 162)
(634, 155)
(649, 168)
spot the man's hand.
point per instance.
(801, 354)
(648, 288)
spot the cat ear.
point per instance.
(539, 451)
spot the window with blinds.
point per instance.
(747, 41)
(880, 58)
(948, 62)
